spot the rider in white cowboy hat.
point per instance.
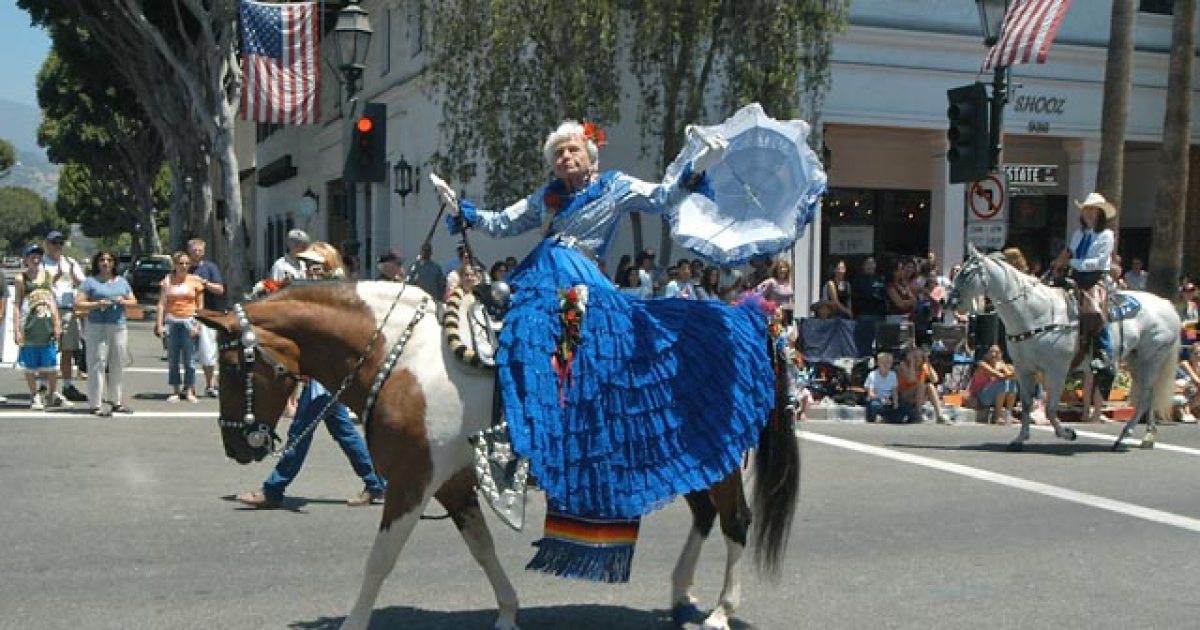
(1089, 253)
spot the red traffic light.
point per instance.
(364, 124)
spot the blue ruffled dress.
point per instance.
(665, 395)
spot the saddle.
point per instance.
(471, 328)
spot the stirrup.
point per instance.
(503, 475)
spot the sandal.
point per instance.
(258, 500)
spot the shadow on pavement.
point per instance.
(1059, 448)
(575, 616)
(290, 504)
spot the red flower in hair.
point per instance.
(593, 132)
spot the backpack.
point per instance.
(38, 310)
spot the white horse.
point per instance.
(1042, 330)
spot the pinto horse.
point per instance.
(418, 416)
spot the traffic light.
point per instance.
(368, 149)
(969, 153)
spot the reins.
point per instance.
(257, 433)
(1025, 286)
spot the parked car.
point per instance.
(147, 273)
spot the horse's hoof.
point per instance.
(1119, 446)
(1148, 442)
(684, 613)
(1016, 447)
(1069, 434)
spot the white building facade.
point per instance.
(884, 126)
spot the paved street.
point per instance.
(127, 522)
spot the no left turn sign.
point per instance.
(986, 198)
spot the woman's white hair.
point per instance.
(568, 130)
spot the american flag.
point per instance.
(1029, 29)
(279, 62)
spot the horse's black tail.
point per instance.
(777, 477)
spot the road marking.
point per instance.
(1131, 441)
(1073, 496)
(81, 413)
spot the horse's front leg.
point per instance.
(1054, 382)
(462, 503)
(1026, 381)
(390, 539)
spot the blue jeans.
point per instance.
(181, 352)
(312, 400)
(902, 414)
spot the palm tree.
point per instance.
(1166, 249)
(1118, 79)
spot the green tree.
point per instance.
(8, 157)
(113, 154)
(510, 70)
(25, 216)
(179, 58)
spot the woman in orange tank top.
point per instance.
(180, 295)
(917, 382)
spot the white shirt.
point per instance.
(680, 289)
(1098, 255)
(67, 274)
(1136, 280)
(883, 386)
(288, 267)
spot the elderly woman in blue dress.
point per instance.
(1089, 255)
(620, 402)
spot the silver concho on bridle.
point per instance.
(258, 435)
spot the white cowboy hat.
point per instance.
(1096, 200)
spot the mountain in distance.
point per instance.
(18, 124)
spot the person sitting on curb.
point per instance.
(992, 385)
(918, 383)
(881, 394)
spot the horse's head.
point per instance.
(258, 370)
(970, 285)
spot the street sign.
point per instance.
(987, 216)
(986, 198)
(1031, 174)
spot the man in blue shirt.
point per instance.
(214, 299)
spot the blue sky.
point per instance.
(23, 49)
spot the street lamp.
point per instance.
(353, 38)
(403, 180)
(991, 21)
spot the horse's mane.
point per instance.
(336, 293)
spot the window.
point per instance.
(416, 39)
(262, 131)
(385, 62)
(1161, 7)
(857, 223)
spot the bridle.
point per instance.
(260, 436)
(975, 266)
